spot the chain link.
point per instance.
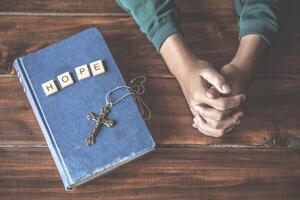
(111, 103)
(136, 89)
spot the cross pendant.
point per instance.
(100, 120)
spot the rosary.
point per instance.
(136, 89)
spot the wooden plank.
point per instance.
(168, 173)
(22, 35)
(107, 7)
(57, 6)
(215, 41)
(271, 115)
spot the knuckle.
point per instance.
(202, 111)
(220, 116)
(199, 109)
(222, 105)
(201, 124)
(196, 96)
(238, 101)
(215, 125)
(193, 102)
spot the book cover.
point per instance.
(62, 115)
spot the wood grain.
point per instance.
(21, 35)
(271, 121)
(168, 173)
(263, 161)
(107, 7)
(110, 7)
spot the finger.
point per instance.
(216, 79)
(229, 121)
(194, 112)
(212, 113)
(194, 125)
(230, 129)
(206, 129)
(213, 92)
(225, 103)
(222, 133)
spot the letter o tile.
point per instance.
(65, 79)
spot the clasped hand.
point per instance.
(214, 98)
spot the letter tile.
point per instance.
(65, 79)
(97, 67)
(82, 72)
(49, 87)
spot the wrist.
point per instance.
(244, 74)
(177, 56)
(249, 55)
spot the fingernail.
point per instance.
(226, 88)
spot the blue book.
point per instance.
(62, 104)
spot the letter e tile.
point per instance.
(49, 87)
(97, 67)
(82, 72)
(65, 79)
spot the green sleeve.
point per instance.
(258, 17)
(158, 19)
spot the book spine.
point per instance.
(18, 65)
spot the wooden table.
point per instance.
(259, 160)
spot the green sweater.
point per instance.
(159, 19)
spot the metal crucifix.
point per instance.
(100, 120)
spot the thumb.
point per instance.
(213, 93)
(216, 79)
